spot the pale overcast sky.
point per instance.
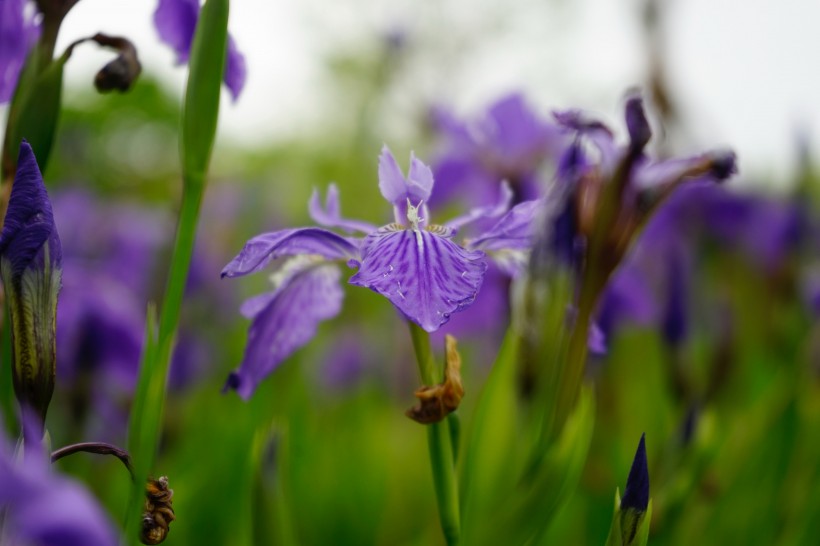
(745, 71)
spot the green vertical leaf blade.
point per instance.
(207, 65)
(488, 474)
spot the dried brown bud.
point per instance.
(123, 71)
(438, 401)
(158, 513)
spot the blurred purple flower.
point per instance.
(41, 508)
(509, 142)
(18, 33)
(414, 264)
(112, 254)
(176, 20)
(811, 292)
(656, 281)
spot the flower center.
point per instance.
(413, 214)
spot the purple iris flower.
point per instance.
(656, 281)
(42, 508)
(416, 265)
(18, 33)
(176, 22)
(509, 142)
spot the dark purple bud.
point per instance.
(122, 72)
(637, 124)
(29, 237)
(636, 494)
(30, 265)
(724, 164)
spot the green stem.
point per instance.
(439, 444)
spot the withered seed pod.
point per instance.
(158, 513)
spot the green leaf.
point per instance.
(34, 112)
(629, 519)
(201, 112)
(141, 425)
(490, 466)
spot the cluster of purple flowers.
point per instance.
(419, 267)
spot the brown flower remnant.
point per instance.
(438, 401)
(158, 513)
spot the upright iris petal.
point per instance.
(176, 22)
(30, 265)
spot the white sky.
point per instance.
(744, 71)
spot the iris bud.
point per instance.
(30, 266)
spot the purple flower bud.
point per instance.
(636, 494)
(29, 238)
(30, 265)
(637, 124)
(724, 165)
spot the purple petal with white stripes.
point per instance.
(286, 322)
(426, 276)
(260, 250)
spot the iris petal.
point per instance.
(426, 276)
(395, 188)
(287, 323)
(260, 250)
(330, 215)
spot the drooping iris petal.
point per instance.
(176, 22)
(426, 276)
(236, 69)
(18, 33)
(260, 250)
(331, 216)
(717, 165)
(286, 323)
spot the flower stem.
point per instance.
(440, 445)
